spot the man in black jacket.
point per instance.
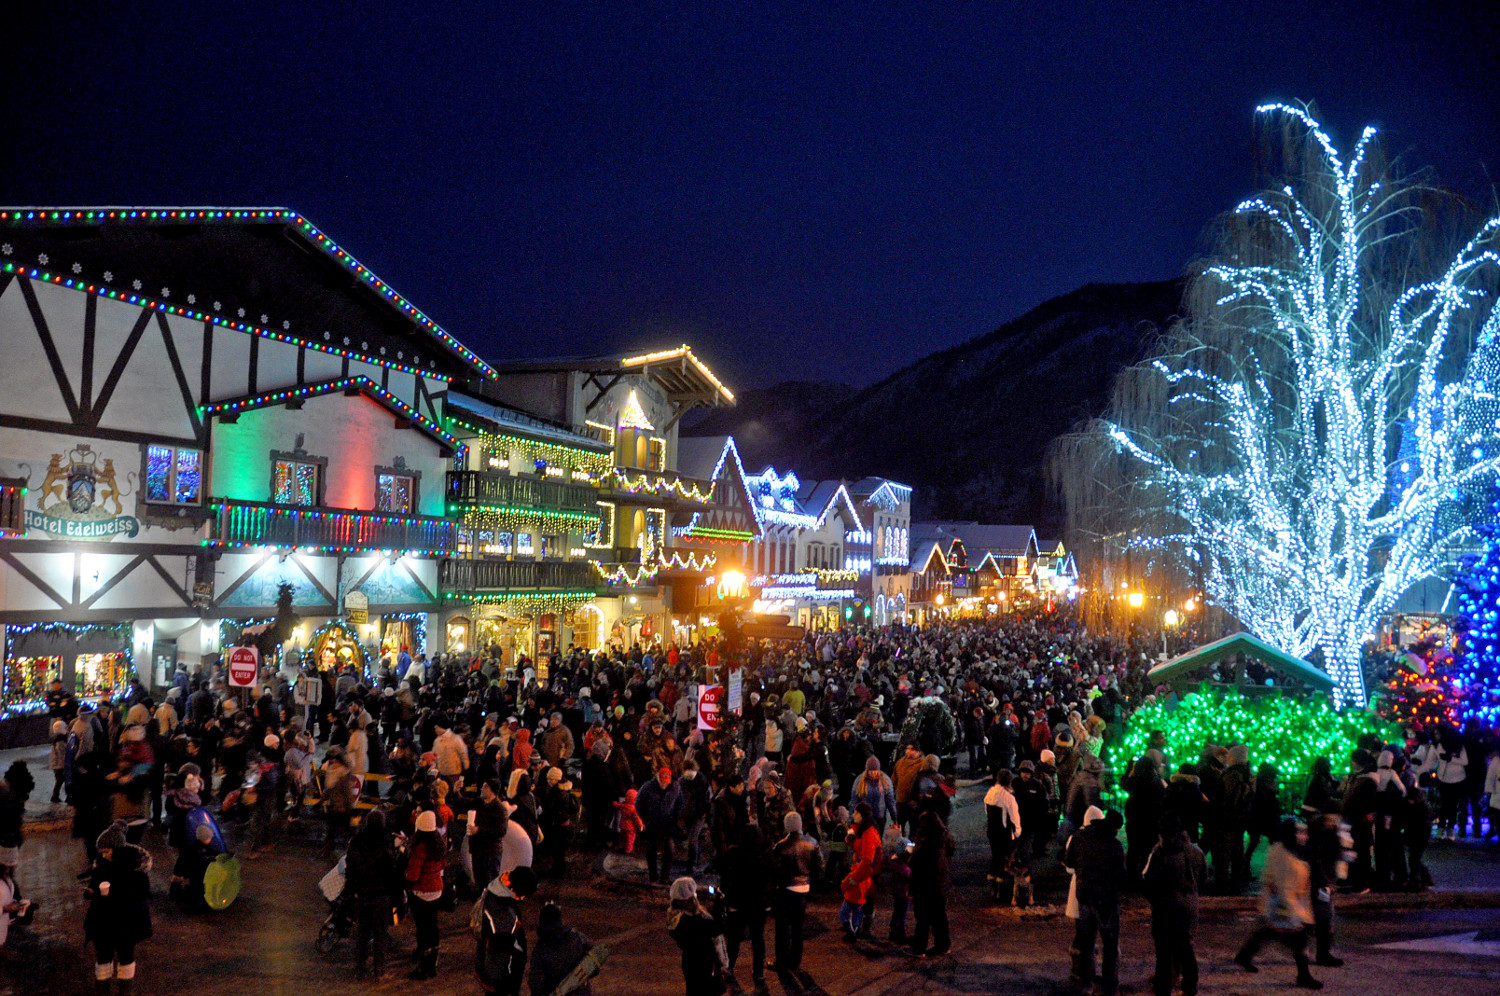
(1174, 876)
(1098, 862)
(797, 863)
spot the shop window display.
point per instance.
(101, 675)
(27, 678)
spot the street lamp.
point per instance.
(1171, 618)
(1136, 599)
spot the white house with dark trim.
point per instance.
(201, 404)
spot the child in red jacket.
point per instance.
(630, 821)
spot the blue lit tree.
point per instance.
(1262, 450)
(1476, 669)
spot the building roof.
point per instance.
(230, 408)
(497, 418)
(681, 374)
(699, 456)
(980, 540)
(1242, 643)
(881, 492)
(267, 271)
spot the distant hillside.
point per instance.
(968, 426)
(774, 425)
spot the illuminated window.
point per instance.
(174, 475)
(395, 492)
(523, 544)
(296, 482)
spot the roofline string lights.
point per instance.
(359, 383)
(327, 245)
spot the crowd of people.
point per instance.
(458, 775)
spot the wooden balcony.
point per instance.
(659, 487)
(328, 530)
(484, 489)
(460, 576)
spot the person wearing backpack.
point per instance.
(500, 937)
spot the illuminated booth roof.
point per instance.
(1284, 665)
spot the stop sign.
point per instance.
(243, 663)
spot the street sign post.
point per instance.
(710, 702)
(244, 664)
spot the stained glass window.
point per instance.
(174, 476)
(189, 476)
(394, 493)
(296, 483)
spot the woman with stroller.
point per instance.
(370, 886)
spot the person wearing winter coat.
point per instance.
(1265, 808)
(931, 881)
(119, 913)
(1098, 862)
(796, 863)
(601, 788)
(695, 931)
(1002, 822)
(731, 814)
(558, 950)
(1185, 798)
(848, 754)
(1322, 792)
(1031, 803)
(1173, 876)
(426, 867)
(369, 881)
(746, 898)
(1451, 767)
(659, 802)
(1085, 789)
(500, 949)
(557, 742)
(1146, 797)
(58, 764)
(801, 765)
(875, 790)
(1287, 914)
(865, 854)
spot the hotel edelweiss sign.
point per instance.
(79, 498)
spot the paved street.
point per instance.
(264, 942)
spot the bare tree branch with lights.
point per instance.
(1304, 441)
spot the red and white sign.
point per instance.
(244, 662)
(710, 706)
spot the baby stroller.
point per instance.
(206, 872)
(339, 923)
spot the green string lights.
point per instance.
(362, 384)
(1287, 732)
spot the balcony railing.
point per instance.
(243, 523)
(482, 488)
(464, 576)
(659, 485)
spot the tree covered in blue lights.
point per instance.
(1476, 669)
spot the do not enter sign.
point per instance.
(243, 663)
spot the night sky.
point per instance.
(811, 191)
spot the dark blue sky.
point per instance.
(798, 192)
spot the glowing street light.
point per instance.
(1136, 599)
(1171, 618)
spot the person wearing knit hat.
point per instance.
(119, 913)
(426, 867)
(696, 932)
(797, 863)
